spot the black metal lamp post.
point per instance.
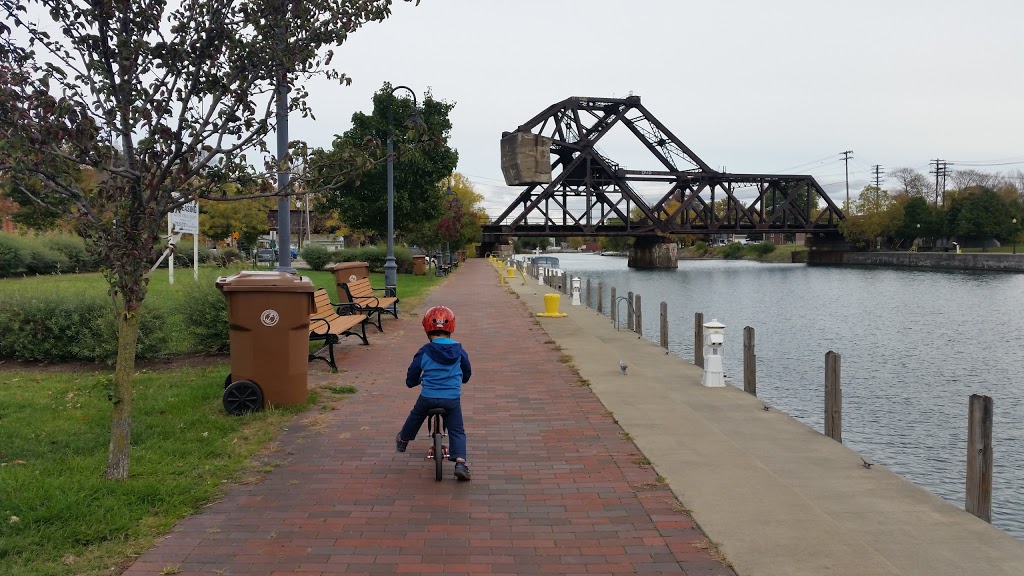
(452, 201)
(390, 268)
(1015, 233)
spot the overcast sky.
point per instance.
(749, 85)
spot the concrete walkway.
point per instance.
(558, 487)
(776, 496)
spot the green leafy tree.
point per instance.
(876, 215)
(423, 163)
(982, 213)
(162, 101)
(460, 218)
(219, 220)
(920, 220)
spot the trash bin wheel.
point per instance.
(242, 397)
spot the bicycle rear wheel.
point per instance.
(438, 456)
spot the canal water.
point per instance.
(915, 345)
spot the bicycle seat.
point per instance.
(437, 411)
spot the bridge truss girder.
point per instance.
(592, 195)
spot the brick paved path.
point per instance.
(556, 489)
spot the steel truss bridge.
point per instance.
(588, 194)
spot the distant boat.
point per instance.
(549, 263)
(613, 253)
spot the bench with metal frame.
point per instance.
(360, 294)
(328, 325)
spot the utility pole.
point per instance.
(878, 176)
(945, 166)
(939, 171)
(846, 154)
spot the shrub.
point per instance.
(207, 312)
(60, 327)
(375, 257)
(734, 251)
(230, 254)
(73, 248)
(316, 256)
(13, 255)
(42, 260)
(764, 248)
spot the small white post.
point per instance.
(195, 257)
(541, 274)
(576, 281)
(714, 339)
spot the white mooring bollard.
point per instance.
(576, 281)
(714, 339)
(541, 272)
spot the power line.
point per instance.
(832, 156)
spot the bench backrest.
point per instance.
(324, 308)
(360, 288)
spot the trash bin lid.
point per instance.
(345, 265)
(263, 281)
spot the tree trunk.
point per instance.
(121, 425)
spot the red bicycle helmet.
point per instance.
(439, 318)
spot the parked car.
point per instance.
(266, 255)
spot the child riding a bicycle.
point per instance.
(441, 367)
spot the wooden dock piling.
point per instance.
(833, 397)
(698, 339)
(978, 500)
(749, 362)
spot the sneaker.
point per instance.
(461, 471)
(400, 444)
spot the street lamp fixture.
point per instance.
(390, 268)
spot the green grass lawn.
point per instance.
(160, 289)
(59, 516)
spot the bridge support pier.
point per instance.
(653, 253)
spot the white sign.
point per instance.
(270, 317)
(185, 220)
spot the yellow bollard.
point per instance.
(511, 271)
(551, 307)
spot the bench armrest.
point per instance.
(347, 308)
(327, 326)
(357, 300)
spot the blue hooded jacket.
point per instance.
(442, 367)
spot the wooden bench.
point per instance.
(327, 325)
(360, 294)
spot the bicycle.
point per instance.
(437, 429)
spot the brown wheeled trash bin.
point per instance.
(419, 265)
(268, 328)
(349, 272)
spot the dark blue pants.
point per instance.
(456, 431)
